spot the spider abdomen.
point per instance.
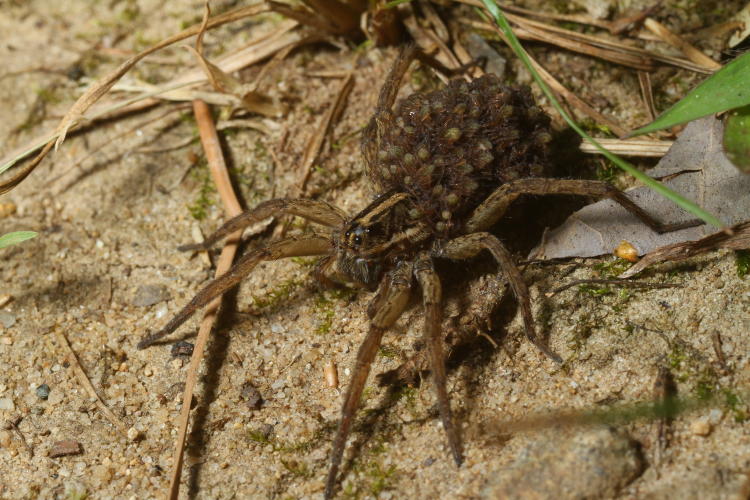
(450, 148)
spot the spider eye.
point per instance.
(357, 240)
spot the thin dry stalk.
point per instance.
(88, 387)
(314, 145)
(220, 176)
(644, 81)
(630, 147)
(681, 44)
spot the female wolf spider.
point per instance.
(447, 165)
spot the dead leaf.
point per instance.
(695, 167)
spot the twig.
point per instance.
(678, 42)
(322, 130)
(86, 383)
(630, 147)
(736, 237)
(618, 282)
(220, 176)
(644, 81)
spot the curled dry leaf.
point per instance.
(695, 167)
(246, 95)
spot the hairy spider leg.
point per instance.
(319, 212)
(391, 305)
(289, 247)
(429, 281)
(468, 246)
(496, 204)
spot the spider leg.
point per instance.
(466, 247)
(289, 247)
(431, 297)
(319, 212)
(391, 307)
(493, 208)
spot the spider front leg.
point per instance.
(495, 206)
(289, 247)
(391, 305)
(466, 247)
(319, 212)
(431, 297)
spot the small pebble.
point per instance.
(182, 348)
(134, 434)
(4, 299)
(252, 396)
(6, 341)
(7, 404)
(65, 448)
(148, 295)
(43, 391)
(700, 427)
(7, 209)
(7, 319)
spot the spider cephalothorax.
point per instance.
(447, 165)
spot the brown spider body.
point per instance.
(445, 151)
(447, 164)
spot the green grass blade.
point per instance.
(9, 239)
(682, 202)
(726, 89)
(737, 138)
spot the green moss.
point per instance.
(325, 307)
(734, 403)
(388, 351)
(206, 192)
(278, 294)
(742, 260)
(612, 268)
(298, 469)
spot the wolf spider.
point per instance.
(447, 165)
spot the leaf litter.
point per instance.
(695, 167)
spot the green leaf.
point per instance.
(9, 239)
(726, 89)
(660, 188)
(737, 138)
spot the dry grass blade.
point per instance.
(104, 84)
(683, 45)
(630, 147)
(86, 383)
(739, 239)
(312, 150)
(219, 174)
(644, 82)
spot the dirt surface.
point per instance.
(112, 205)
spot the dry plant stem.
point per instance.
(315, 143)
(219, 174)
(560, 89)
(737, 239)
(681, 44)
(86, 383)
(630, 147)
(644, 81)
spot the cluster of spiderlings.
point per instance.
(450, 148)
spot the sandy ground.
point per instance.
(112, 205)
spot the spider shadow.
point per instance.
(214, 357)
